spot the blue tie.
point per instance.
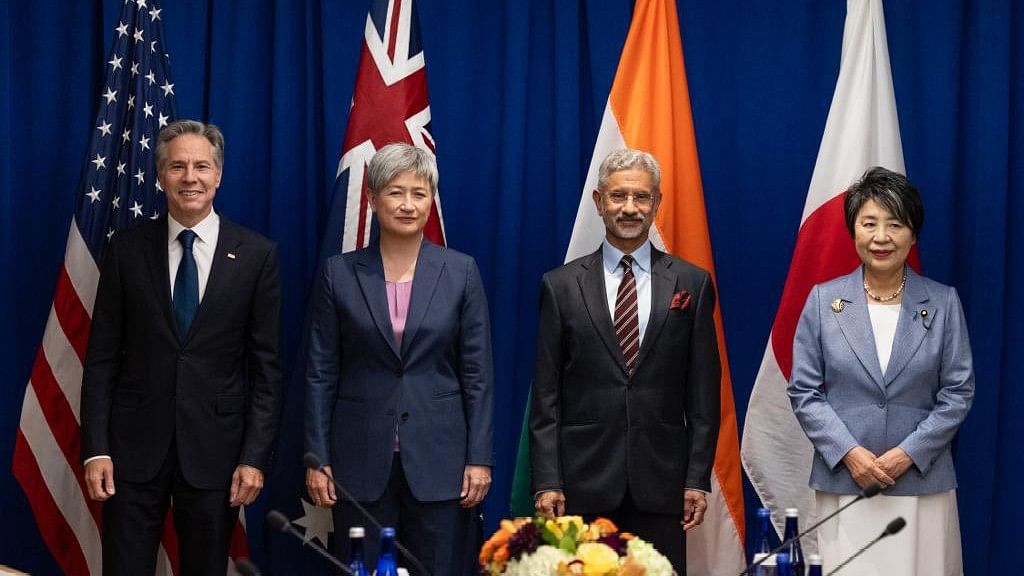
(186, 285)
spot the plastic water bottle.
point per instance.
(764, 542)
(814, 565)
(356, 556)
(796, 552)
(784, 565)
(386, 564)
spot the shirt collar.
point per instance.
(612, 256)
(204, 229)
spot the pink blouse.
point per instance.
(398, 307)
(398, 310)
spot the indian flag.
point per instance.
(649, 109)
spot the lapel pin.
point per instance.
(838, 305)
(231, 255)
(924, 313)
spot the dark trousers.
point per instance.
(133, 521)
(664, 531)
(434, 532)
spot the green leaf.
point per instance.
(547, 535)
(568, 543)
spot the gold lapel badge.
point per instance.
(838, 305)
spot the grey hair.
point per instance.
(627, 160)
(394, 159)
(182, 127)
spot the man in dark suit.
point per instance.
(625, 410)
(181, 385)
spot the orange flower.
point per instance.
(501, 555)
(605, 525)
(627, 536)
(497, 541)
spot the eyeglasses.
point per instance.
(639, 198)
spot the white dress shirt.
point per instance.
(207, 232)
(613, 273)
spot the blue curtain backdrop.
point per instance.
(517, 89)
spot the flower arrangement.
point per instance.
(566, 546)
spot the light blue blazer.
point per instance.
(842, 399)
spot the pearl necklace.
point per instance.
(890, 297)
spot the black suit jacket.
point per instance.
(217, 394)
(595, 430)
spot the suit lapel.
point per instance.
(595, 299)
(428, 270)
(855, 324)
(911, 326)
(369, 269)
(229, 241)
(156, 261)
(663, 283)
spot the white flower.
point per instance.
(649, 558)
(543, 562)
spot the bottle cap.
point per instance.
(814, 560)
(357, 532)
(387, 532)
(763, 513)
(792, 512)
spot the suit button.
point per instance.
(398, 372)
(881, 404)
(405, 417)
(181, 358)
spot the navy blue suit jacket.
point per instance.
(436, 389)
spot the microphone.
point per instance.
(893, 527)
(867, 492)
(279, 522)
(311, 460)
(246, 568)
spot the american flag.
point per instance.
(389, 104)
(118, 190)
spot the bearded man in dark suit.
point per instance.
(181, 386)
(624, 419)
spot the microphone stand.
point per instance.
(868, 492)
(895, 526)
(280, 522)
(311, 460)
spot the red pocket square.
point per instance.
(680, 300)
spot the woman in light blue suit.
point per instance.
(399, 399)
(882, 379)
